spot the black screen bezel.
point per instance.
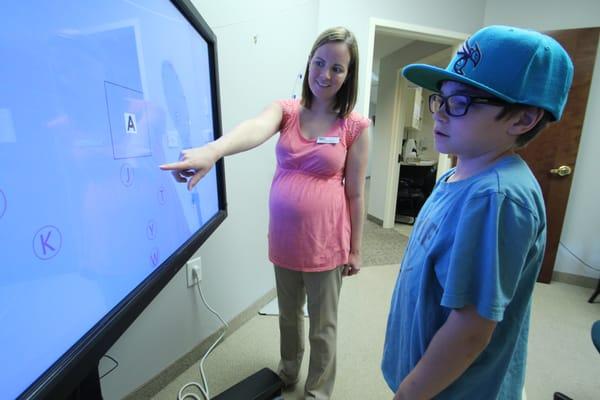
(64, 376)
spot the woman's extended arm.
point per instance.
(196, 162)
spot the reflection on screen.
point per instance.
(92, 100)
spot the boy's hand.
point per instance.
(193, 164)
(454, 347)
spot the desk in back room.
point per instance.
(415, 184)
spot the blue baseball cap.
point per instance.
(516, 65)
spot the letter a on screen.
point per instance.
(130, 124)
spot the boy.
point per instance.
(459, 315)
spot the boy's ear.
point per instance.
(525, 120)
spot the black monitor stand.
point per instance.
(263, 385)
(89, 388)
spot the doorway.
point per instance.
(398, 111)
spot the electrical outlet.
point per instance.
(193, 264)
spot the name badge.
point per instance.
(328, 139)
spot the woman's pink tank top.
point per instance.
(309, 227)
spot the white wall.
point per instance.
(580, 231)
(236, 269)
(581, 228)
(543, 14)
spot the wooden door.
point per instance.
(557, 145)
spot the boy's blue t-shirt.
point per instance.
(478, 241)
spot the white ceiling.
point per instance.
(387, 42)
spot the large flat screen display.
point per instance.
(93, 97)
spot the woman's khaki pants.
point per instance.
(322, 289)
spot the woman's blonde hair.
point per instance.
(345, 98)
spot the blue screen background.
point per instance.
(92, 100)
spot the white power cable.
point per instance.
(597, 269)
(203, 387)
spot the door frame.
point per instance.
(416, 32)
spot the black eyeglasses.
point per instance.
(457, 105)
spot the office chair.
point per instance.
(409, 200)
(596, 341)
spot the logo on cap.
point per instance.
(468, 52)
